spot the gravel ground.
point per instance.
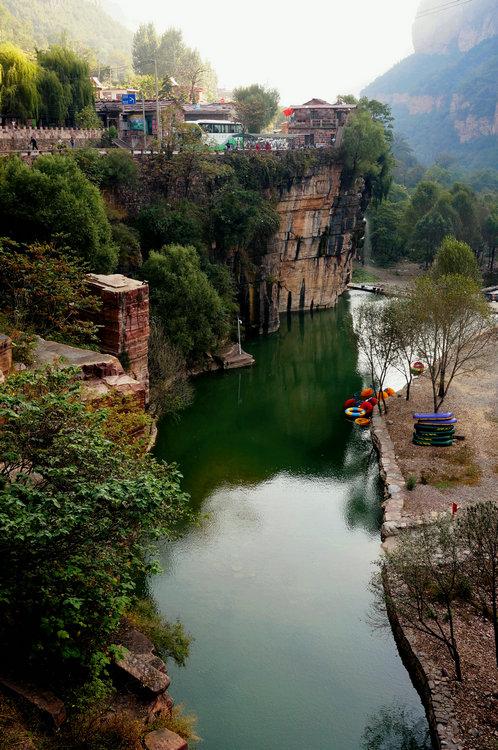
(465, 472)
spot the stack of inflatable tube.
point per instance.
(434, 429)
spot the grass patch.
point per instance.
(411, 482)
(178, 722)
(360, 276)
(169, 638)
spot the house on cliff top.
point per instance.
(317, 122)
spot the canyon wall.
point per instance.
(308, 263)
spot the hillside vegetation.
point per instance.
(83, 23)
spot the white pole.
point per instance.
(145, 122)
(238, 333)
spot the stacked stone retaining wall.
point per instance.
(18, 139)
(430, 682)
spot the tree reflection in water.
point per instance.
(394, 728)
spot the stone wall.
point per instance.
(124, 321)
(430, 682)
(308, 263)
(17, 139)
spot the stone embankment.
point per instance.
(430, 682)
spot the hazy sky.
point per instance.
(304, 49)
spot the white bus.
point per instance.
(217, 133)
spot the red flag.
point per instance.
(288, 111)
(454, 508)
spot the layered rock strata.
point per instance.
(308, 263)
(124, 321)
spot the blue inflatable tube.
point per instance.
(434, 415)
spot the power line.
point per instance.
(441, 8)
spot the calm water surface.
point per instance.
(274, 584)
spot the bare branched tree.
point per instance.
(454, 328)
(170, 390)
(376, 341)
(421, 580)
(478, 529)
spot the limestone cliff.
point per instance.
(308, 263)
(440, 26)
(444, 97)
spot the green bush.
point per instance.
(191, 312)
(78, 518)
(53, 199)
(170, 639)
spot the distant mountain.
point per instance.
(38, 23)
(444, 96)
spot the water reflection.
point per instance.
(274, 583)
(395, 728)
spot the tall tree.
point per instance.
(74, 74)
(367, 151)
(54, 101)
(145, 49)
(429, 232)
(256, 106)
(19, 95)
(190, 310)
(454, 328)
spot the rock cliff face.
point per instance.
(459, 24)
(308, 263)
(444, 97)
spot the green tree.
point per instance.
(454, 328)
(145, 49)
(256, 106)
(44, 290)
(53, 99)
(190, 310)
(78, 516)
(454, 257)
(367, 151)
(127, 241)
(74, 74)
(387, 241)
(54, 200)
(171, 49)
(88, 118)
(162, 224)
(429, 233)
(19, 95)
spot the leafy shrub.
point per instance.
(190, 310)
(43, 289)
(85, 514)
(411, 482)
(127, 241)
(54, 199)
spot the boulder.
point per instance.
(45, 701)
(146, 669)
(163, 739)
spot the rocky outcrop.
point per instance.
(308, 263)
(124, 322)
(5, 356)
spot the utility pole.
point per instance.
(158, 115)
(145, 122)
(238, 333)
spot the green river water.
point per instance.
(274, 583)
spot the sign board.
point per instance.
(129, 99)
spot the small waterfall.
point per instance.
(367, 242)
